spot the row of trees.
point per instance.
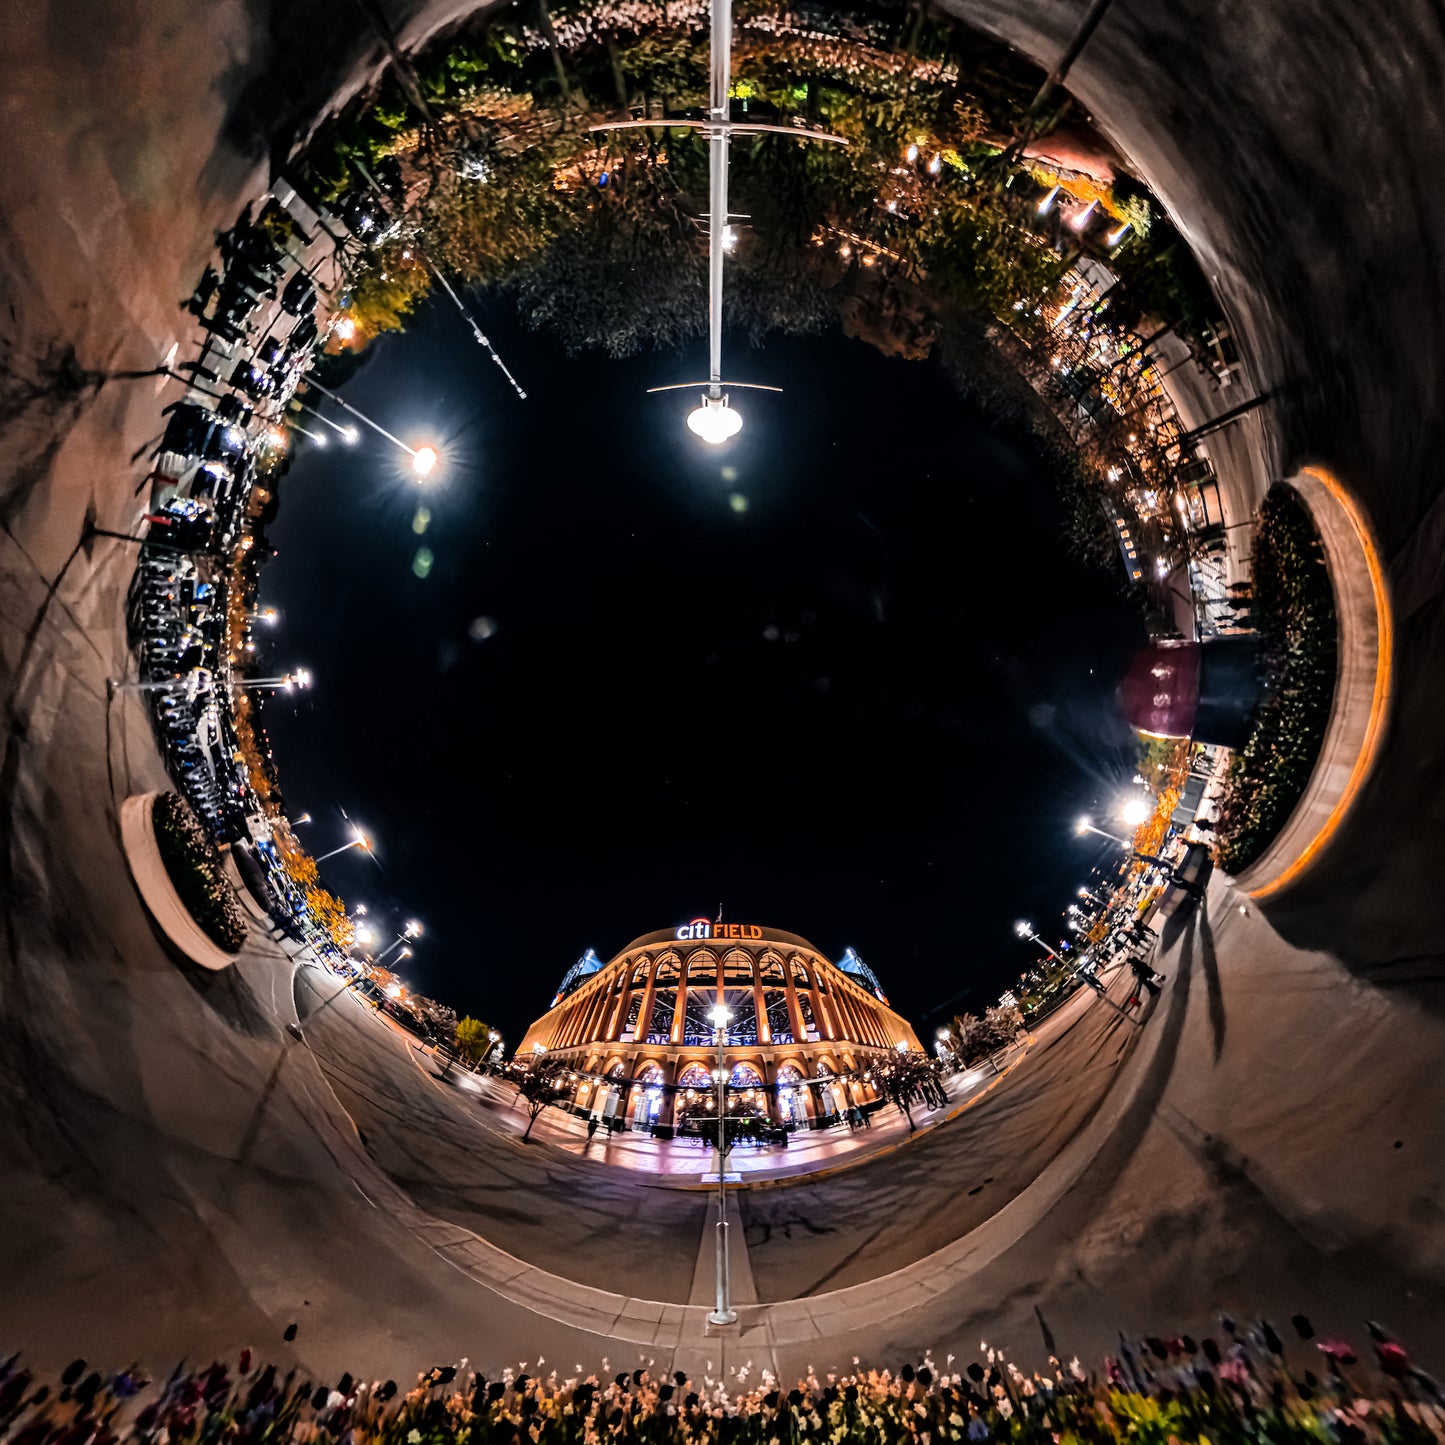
(502, 185)
(971, 1037)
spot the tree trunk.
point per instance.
(546, 17)
(619, 80)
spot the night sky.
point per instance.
(841, 677)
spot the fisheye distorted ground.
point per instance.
(184, 1171)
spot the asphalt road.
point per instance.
(183, 1174)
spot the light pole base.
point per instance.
(722, 1317)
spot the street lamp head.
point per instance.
(345, 328)
(714, 420)
(304, 818)
(1023, 929)
(423, 459)
(412, 929)
(1135, 812)
(1083, 825)
(405, 953)
(719, 1015)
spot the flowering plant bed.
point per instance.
(1294, 611)
(1244, 1386)
(194, 868)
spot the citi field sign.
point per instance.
(704, 928)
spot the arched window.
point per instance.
(639, 974)
(780, 1026)
(800, 974)
(659, 1026)
(745, 1076)
(696, 1076)
(702, 967)
(743, 1025)
(650, 1074)
(790, 1074)
(737, 968)
(805, 1011)
(697, 1025)
(666, 970)
(770, 970)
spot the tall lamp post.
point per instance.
(723, 1313)
(713, 420)
(1026, 930)
(1086, 825)
(360, 841)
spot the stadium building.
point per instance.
(638, 1035)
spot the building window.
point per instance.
(696, 1025)
(659, 1027)
(634, 1007)
(771, 971)
(743, 1026)
(745, 1076)
(780, 1026)
(805, 1010)
(737, 968)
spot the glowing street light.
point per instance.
(288, 682)
(714, 420)
(423, 459)
(1086, 825)
(1026, 930)
(1136, 812)
(359, 841)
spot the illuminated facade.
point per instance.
(637, 1033)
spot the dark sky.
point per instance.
(841, 677)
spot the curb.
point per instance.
(157, 893)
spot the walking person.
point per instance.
(1145, 974)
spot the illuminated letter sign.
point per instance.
(701, 928)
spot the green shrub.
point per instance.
(1294, 611)
(194, 868)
